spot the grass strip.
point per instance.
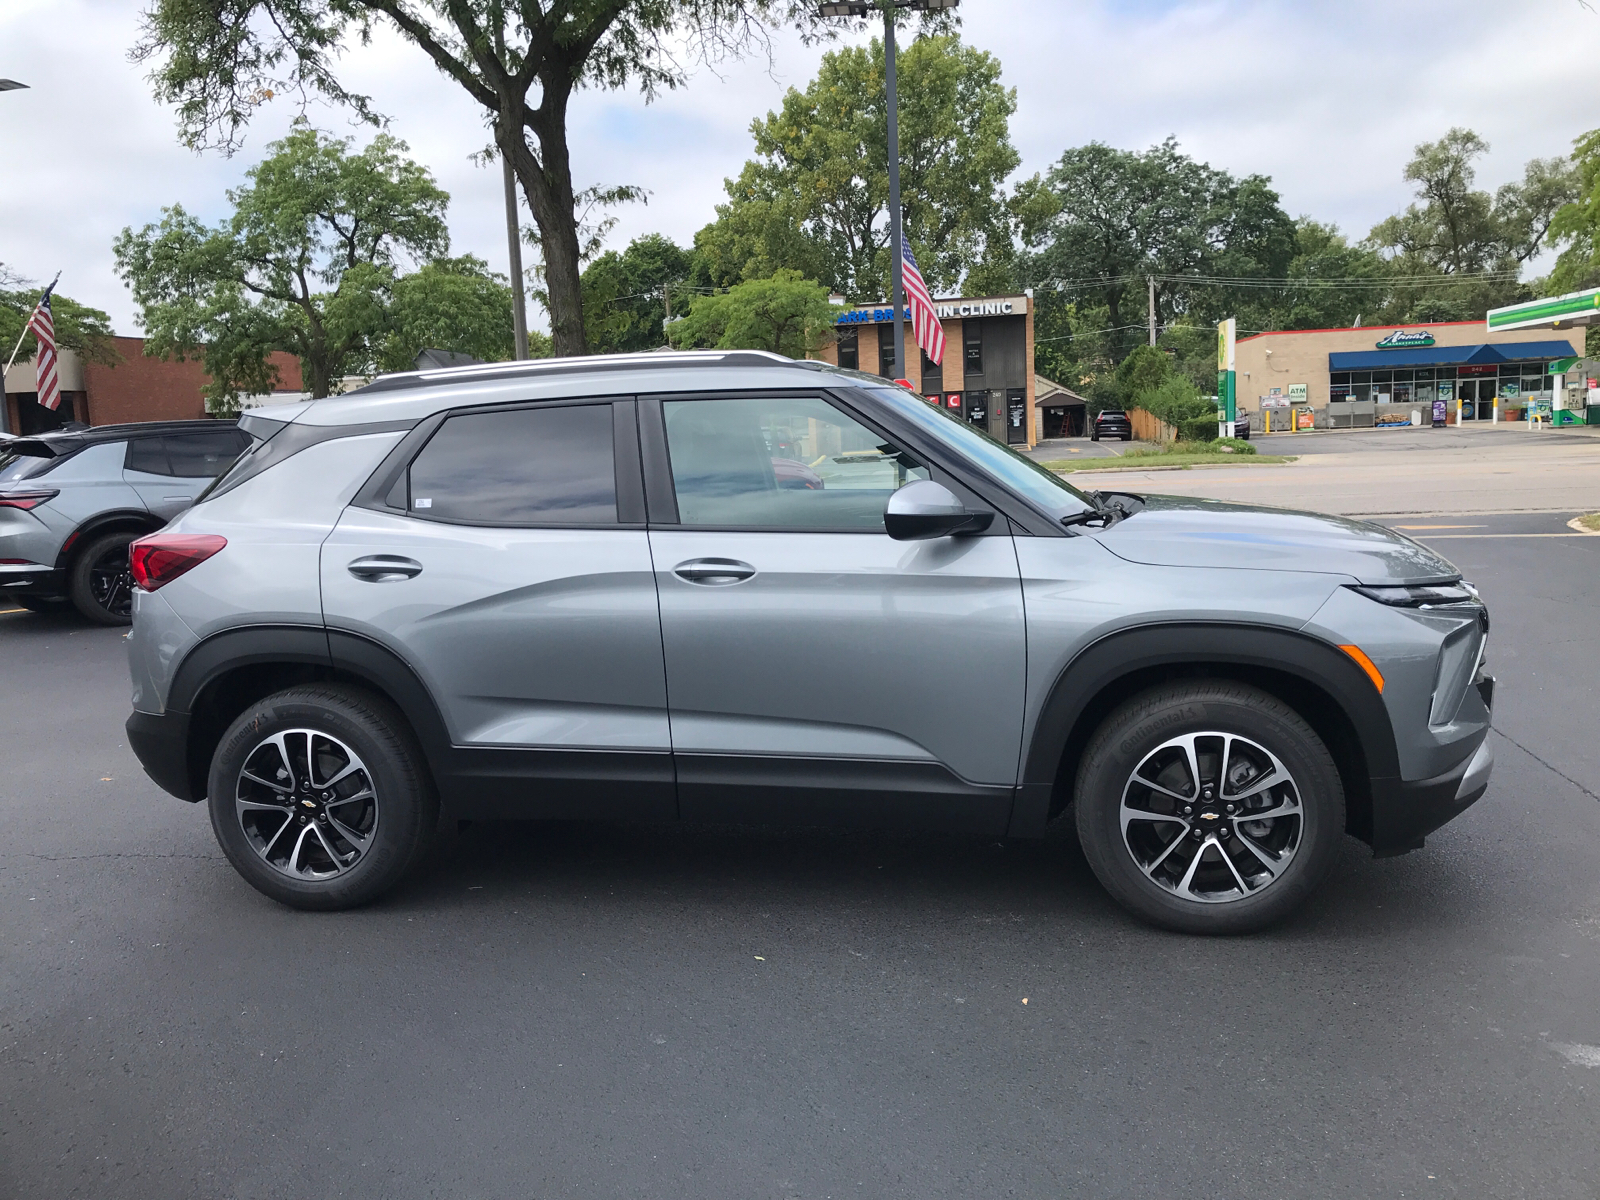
(1153, 462)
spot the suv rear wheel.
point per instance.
(100, 582)
(321, 798)
(1208, 807)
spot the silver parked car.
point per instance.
(592, 589)
(72, 500)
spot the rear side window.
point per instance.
(22, 461)
(148, 456)
(203, 455)
(529, 466)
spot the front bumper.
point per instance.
(161, 743)
(1404, 813)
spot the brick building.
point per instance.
(133, 388)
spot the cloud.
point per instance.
(1326, 98)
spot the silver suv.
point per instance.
(72, 500)
(734, 587)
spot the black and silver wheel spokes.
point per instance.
(1211, 817)
(111, 583)
(307, 804)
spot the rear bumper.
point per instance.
(161, 743)
(32, 578)
(1403, 813)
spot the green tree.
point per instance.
(625, 294)
(1576, 225)
(815, 199)
(783, 313)
(1122, 216)
(521, 61)
(1475, 243)
(78, 327)
(312, 262)
(450, 304)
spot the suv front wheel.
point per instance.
(1208, 807)
(321, 798)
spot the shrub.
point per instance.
(1237, 445)
(1198, 429)
(1174, 400)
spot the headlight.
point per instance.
(1430, 595)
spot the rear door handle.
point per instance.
(385, 568)
(714, 571)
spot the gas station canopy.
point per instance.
(1553, 312)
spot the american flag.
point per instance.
(43, 326)
(925, 326)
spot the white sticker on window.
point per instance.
(424, 502)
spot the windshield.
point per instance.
(1044, 488)
(22, 462)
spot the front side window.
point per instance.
(781, 463)
(526, 466)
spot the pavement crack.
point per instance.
(1544, 764)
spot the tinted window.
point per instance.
(546, 466)
(849, 350)
(148, 455)
(788, 463)
(22, 461)
(203, 455)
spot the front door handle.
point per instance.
(714, 571)
(385, 568)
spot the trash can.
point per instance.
(1592, 415)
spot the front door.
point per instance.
(500, 568)
(818, 670)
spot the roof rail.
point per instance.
(589, 364)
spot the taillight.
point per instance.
(26, 499)
(160, 558)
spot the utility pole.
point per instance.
(9, 85)
(1150, 281)
(519, 303)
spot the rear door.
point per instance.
(817, 669)
(170, 470)
(507, 565)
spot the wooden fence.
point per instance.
(1148, 427)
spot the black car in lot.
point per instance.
(1111, 422)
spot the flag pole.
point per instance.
(5, 416)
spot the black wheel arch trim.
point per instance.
(1065, 722)
(113, 519)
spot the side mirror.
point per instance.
(923, 509)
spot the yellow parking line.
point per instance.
(8, 611)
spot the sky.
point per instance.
(1327, 97)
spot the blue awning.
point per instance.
(1447, 356)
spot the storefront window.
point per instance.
(1401, 393)
(1383, 377)
(1361, 377)
(1339, 378)
(886, 350)
(972, 344)
(1423, 374)
(850, 350)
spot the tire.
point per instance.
(345, 853)
(1095, 436)
(1275, 863)
(99, 582)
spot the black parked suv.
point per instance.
(1111, 422)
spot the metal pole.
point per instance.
(895, 235)
(519, 304)
(1151, 280)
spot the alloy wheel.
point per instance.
(307, 804)
(1212, 817)
(111, 582)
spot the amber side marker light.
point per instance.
(1366, 664)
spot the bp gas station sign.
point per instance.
(1553, 312)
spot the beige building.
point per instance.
(987, 372)
(1383, 373)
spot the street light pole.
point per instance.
(857, 8)
(896, 251)
(7, 85)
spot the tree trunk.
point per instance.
(548, 187)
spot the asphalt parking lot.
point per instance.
(609, 1010)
